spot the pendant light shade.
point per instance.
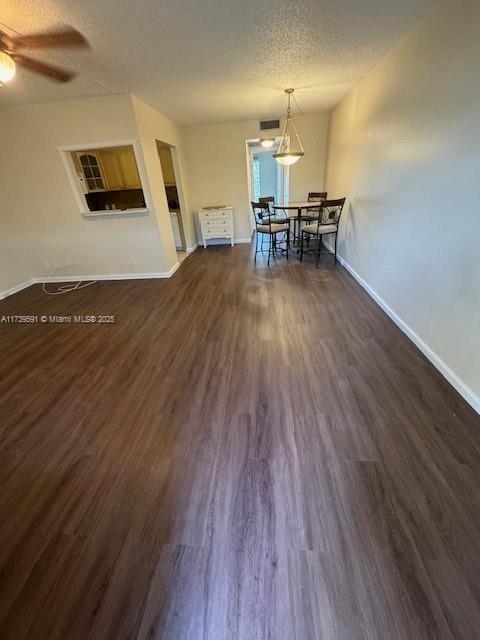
(286, 156)
(289, 157)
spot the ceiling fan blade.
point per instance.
(4, 41)
(55, 73)
(63, 38)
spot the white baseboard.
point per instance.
(87, 278)
(108, 276)
(16, 289)
(192, 248)
(457, 383)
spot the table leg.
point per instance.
(299, 223)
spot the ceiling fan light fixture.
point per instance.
(7, 68)
(284, 155)
(12, 56)
(267, 142)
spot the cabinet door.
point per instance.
(91, 169)
(111, 169)
(165, 156)
(128, 165)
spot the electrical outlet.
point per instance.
(47, 264)
(133, 262)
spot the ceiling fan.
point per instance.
(66, 38)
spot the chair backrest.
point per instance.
(267, 200)
(317, 196)
(261, 211)
(331, 211)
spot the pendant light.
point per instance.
(284, 156)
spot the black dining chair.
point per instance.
(328, 221)
(270, 200)
(267, 200)
(269, 226)
(312, 214)
(316, 196)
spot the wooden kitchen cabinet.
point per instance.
(128, 165)
(88, 163)
(107, 169)
(111, 169)
(168, 172)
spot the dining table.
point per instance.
(298, 207)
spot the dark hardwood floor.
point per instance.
(247, 454)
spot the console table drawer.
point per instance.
(218, 226)
(220, 215)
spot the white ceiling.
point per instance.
(213, 60)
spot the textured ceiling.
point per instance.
(213, 60)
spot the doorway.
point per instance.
(266, 177)
(166, 155)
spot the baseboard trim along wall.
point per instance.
(109, 276)
(464, 390)
(87, 278)
(17, 288)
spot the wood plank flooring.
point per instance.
(246, 454)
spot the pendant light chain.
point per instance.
(296, 131)
(285, 156)
(283, 146)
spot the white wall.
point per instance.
(40, 220)
(153, 126)
(216, 166)
(15, 264)
(310, 171)
(405, 148)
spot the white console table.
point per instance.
(216, 222)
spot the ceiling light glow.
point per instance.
(7, 68)
(267, 142)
